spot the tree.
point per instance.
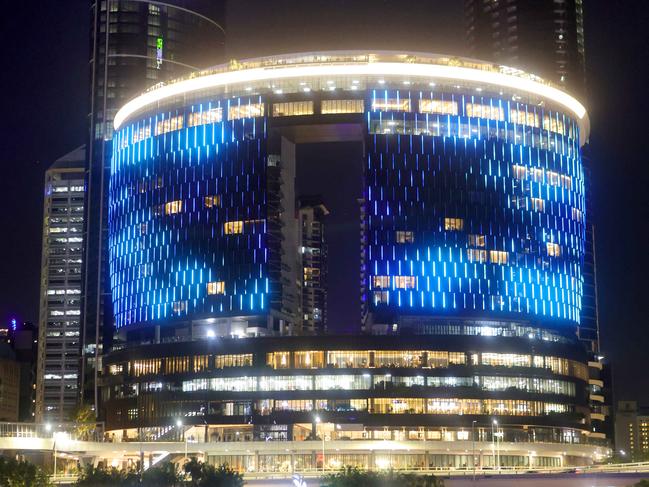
(21, 474)
(194, 469)
(164, 475)
(206, 475)
(99, 476)
(221, 476)
(642, 483)
(355, 477)
(85, 420)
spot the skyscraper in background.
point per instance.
(312, 251)
(545, 37)
(134, 44)
(60, 309)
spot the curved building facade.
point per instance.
(472, 238)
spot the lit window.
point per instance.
(577, 215)
(475, 255)
(552, 178)
(537, 204)
(342, 106)
(293, 108)
(391, 104)
(381, 297)
(141, 133)
(524, 118)
(381, 282)
(246, 111)
(519, 172)
(211, 201)
(537, 175)
(554, 250)
(498, 257)
(453, 224)
(173, 207)
(169, 125)
(554, 125)
(476, 240)
(484, 111)
(566, 182)
(405, 282)
(179, 306)
(212, 115)
(231, 228)
(438, 106)
(216, 287)
(405, 237)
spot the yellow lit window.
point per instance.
(519, 172)
(498, 257)
(577, 215)
(141, 133)
(212, 115)
(537, 204)
(554, 125)
(231, 228)
(211, 201)
(405, 282)
(381, 282)
(236, 112)
(484, 111)
(342, 106)
(476, 240)
(438, 106)
(242, 360)
(216, 287)
(554, 250)
(391, 104)
(292, 108)
(310, 272)
(404, 237)
(475, 255)
(453, 224)
(524, 118)
(278, 360)
(173, 207)
(169, 124)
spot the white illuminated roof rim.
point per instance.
(429, 71)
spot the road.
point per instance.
(568, 480)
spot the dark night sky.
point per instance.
(44, 107)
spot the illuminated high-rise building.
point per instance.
(60, 292)
(545, 37)
(134, 44)
(313, 264)
(473, 244)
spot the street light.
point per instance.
(179, 424)
(317, 420)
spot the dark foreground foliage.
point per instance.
(354, 477)
(21, 474)
(196, 474)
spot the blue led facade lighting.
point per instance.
(474, 190)
(472, 211)
(188, 217)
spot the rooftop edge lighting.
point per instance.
(326, 69)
